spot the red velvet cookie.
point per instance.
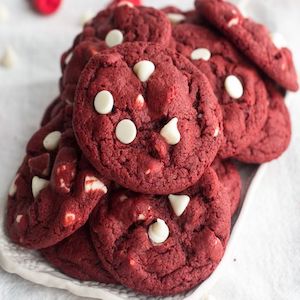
(275, 136)
(79, 57)
(75, 256)
(230, 178)
(55, 188)
(109, 28)
(252, 39)
(238, 86)
(134, 23)
(163, 245)
(137, 23)
(147, 118)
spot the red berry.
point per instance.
(46, 7)
(136, 2)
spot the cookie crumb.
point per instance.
(9, 58)
(4, 13)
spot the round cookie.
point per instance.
(55, 188)
(163, 245)
(110, 28)
(80, 56)
(275, 136)
(76, 257)
(147, 118)
(137, 23)
(252, 39)
(238, 86)
(230, 178)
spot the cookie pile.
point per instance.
(130, 179)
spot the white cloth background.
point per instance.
(266, 264)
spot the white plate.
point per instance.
(31, 266)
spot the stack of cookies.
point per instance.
(130, 180)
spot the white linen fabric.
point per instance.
(265, 260)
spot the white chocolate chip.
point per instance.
(170, 132)
(141, 217)
(67, 60)
(13, 187)
(125, 3)
(69, 218)
(132, 262)
(9, 58)
(278, 40)
(37, 185)
(4, 13)
(179, 203)
(158, 232)
(217, 131)
(113, 38)
(144, 69)
(126, 131)
(86, 17)
(233, 22)
(104, 102)
(63, 186)
(51, 140)
(92, 183)
(61, 169)
(123, 198)
(201, 53)
(139, 101)
(19, 218)
(176, 18)
(234, 87)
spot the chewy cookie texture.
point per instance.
(131, 179)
